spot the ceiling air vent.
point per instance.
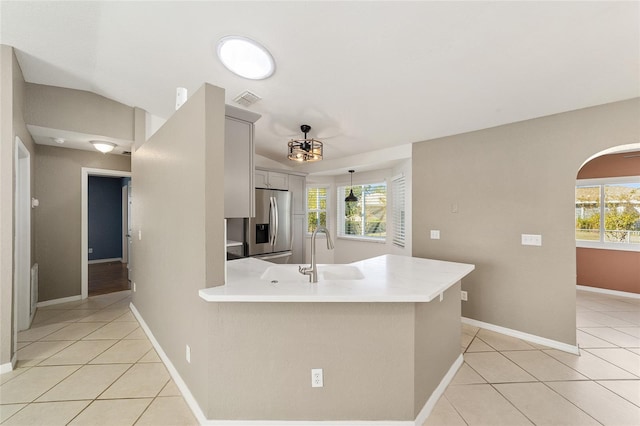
(126, 153)
(247, 98)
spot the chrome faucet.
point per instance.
(312, 270)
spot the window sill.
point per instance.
(608, 246)
(363, 239)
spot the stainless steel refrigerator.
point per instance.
(269, 232)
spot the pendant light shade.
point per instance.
(351, 198)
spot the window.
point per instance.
(366, 218)
(316, 207)
(618, 202)
(397, 190)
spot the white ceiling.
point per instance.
(365, 75)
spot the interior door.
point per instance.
(129, 239)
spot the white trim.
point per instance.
(607, 181)
(607, 291)
(84, 221)
(523, 336)
(439, 391)
(58, 301)
(308, 423)
(112, 259)
(376, 240)
(597, 245)
(9, 366)
(184, 389)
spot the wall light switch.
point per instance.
(531, 240)
(454, 208)
(435, 234)
(140, 234)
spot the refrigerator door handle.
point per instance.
(271, 221)
(275, 232)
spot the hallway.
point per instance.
(89, 363)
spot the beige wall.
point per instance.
(380, 361)
(177, 185)
(506, 181)
(12, 124)
(79, 111)
(58, 218)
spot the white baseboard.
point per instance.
(524, 336)
(186, 393)
(113, 259)
(607, 291)
(439, 391)
(58, 301)
(9, 366)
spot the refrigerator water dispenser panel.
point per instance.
(262, 233)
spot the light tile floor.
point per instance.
(507, 381)
(89, 363)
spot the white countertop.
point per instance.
(388, 278)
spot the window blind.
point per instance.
(398, 194)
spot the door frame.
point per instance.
(23, 312)
(84, 226)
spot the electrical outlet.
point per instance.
(140, 234)
(316, 378)
(435, 234)
(531, 239)
(134, 286)
(463, 295)
(188, 354)
(90, 250)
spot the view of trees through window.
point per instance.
(368, 216)
(620, 206)
(316, 208)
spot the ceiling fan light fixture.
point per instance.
(245, 57)
(103, 146)
(306, 149)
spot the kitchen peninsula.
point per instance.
(385, 331)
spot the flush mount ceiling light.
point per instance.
(245, 57)
(351, 198)
(103, 146)
(305, 150)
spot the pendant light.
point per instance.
(351, 198)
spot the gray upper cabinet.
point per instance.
(239, 192)
(271, 180)
(296, 186)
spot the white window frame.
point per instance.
(306, 205)
(399, 209)
(605, 244)
(340, 220)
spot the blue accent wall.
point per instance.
(105, 217)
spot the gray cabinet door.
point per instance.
(296, 186)
(298, 239)
(238, 171)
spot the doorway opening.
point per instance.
(25, 292)
(106, 222)
(608, 222)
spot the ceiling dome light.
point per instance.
(245, 57)
(103, 146)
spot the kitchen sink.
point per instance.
(327, 272)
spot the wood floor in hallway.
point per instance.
(108, 277)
